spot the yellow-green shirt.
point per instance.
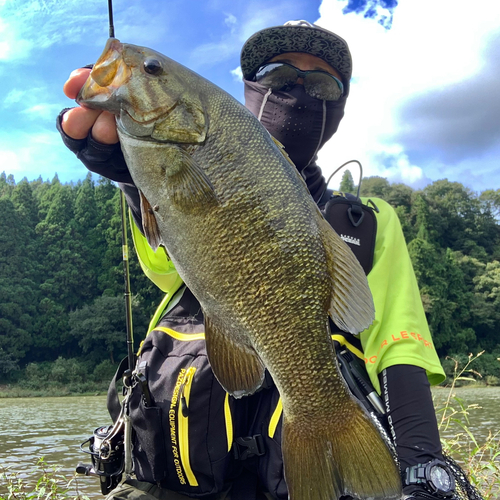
(400, 332)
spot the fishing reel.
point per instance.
(106, 448)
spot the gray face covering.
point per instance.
(300, 122)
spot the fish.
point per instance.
(236, 218)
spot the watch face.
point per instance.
(440, 478)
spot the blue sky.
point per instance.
(424, 101)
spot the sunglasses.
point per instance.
(317, 83)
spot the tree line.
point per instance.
(61, 272)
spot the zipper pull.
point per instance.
(186, 387)
(184, 407)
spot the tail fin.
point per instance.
(350, 459)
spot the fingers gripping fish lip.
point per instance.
(108, 74)
(108, 88)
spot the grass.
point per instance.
(481, 460)
(50, 485)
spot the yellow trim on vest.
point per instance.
(184, 427)
(159, 311)
(185, 337)
(342, 341)
(229, 423)
(273, 423)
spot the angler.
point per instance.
(297, 73)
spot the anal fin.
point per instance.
(237, 366)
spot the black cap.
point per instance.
(296, 36)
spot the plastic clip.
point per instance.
(358, 212)
(249, 446)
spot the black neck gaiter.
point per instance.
(300, 122)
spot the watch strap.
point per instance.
(415, 474)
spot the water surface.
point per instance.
(52, 428)
(55, 427)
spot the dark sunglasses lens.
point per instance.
(323, 86)
(317, 84)
(276, 76)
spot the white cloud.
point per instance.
(9, 159)
(28, 155)
(38, 24)
(237, 74)
(231, 20)
(43, 111)
(11, 45)
(31, 104)
(432, 45)
(14, 96)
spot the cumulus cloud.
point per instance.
(22, 153)
(237, 74)
(423, 100)
(456, 121)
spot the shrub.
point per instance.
(104, 372)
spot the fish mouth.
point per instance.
(109, 73)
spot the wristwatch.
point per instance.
(434, 476)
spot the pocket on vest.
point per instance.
(181, 416)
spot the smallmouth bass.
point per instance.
(248, 240)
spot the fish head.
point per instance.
(151, 95)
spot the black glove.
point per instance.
(103, 159)
(106, 160)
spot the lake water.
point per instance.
(55, 427)
(52, 428)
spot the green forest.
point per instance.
(62, 312)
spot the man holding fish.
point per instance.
(297, 80)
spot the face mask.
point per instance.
(300, 122)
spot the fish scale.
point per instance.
(244, 234)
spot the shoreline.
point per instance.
(17, 392)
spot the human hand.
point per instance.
(77, 122)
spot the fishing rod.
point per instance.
(126, 276)
(127, 376)
(126, 271)
(109, 443)
(110, 16)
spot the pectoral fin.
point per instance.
(187, 185)
(237, 367)
(351, 306)
(149, 224)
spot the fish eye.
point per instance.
(152, 66)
